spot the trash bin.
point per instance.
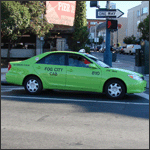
(114, 56)
(139, 57)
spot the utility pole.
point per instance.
(107, 53)
(117, 38)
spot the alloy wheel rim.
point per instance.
(32, 85)
(114, 90)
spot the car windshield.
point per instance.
(99, 62)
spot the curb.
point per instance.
(5, 83)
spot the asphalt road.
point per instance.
(72, 120)
(120, 57)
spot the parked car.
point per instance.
(98, 48)
(131, 49)
(67, 70)
(92, 48)
(120, 49)
(112, 49)
(103, 49)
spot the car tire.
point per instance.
(115, 89)
(33, 85)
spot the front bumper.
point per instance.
(137, 87)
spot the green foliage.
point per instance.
(130, 40)
(80, 15)
(80, 38)
(87, 49)
(88, 42)
(81, 33)
(19, 18)
(144, 28)
(39, 24)
(15, 18)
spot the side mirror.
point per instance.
(92, 66)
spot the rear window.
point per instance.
(129, 46)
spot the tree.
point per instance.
(81, 34)
(15, 18)
(143, 27)
(19, 18)
(130, 40)
(39, 24)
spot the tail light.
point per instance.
(9, 66)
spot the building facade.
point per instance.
(121, 33)
(135, 16)
(92, 25)
(112, 5)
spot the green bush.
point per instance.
(87, 49)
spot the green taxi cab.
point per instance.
(67, 70)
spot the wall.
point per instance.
(121, 32)
(18, 53)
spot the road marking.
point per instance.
(75, 100)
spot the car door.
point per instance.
(52, 70)
(80, 76)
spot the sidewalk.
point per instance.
(116, 64)
(3, 73)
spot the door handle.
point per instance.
(38, 67)
(70, 70)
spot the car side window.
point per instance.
(78, 61)
(53, 59)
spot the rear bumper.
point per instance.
(13, 79)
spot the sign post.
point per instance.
(108, 13)
(107, 53)
(110, 24)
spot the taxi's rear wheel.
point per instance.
(115, 89)
(33, 85)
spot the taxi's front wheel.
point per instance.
(115, 89)
(33, 85)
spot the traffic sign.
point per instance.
(108, 13)
(112, 24)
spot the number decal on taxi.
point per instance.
(95, 73)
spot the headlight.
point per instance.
(135, 77)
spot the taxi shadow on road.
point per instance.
(131, 105)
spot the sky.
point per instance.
(121, 5)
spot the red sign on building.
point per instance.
(60, 12)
